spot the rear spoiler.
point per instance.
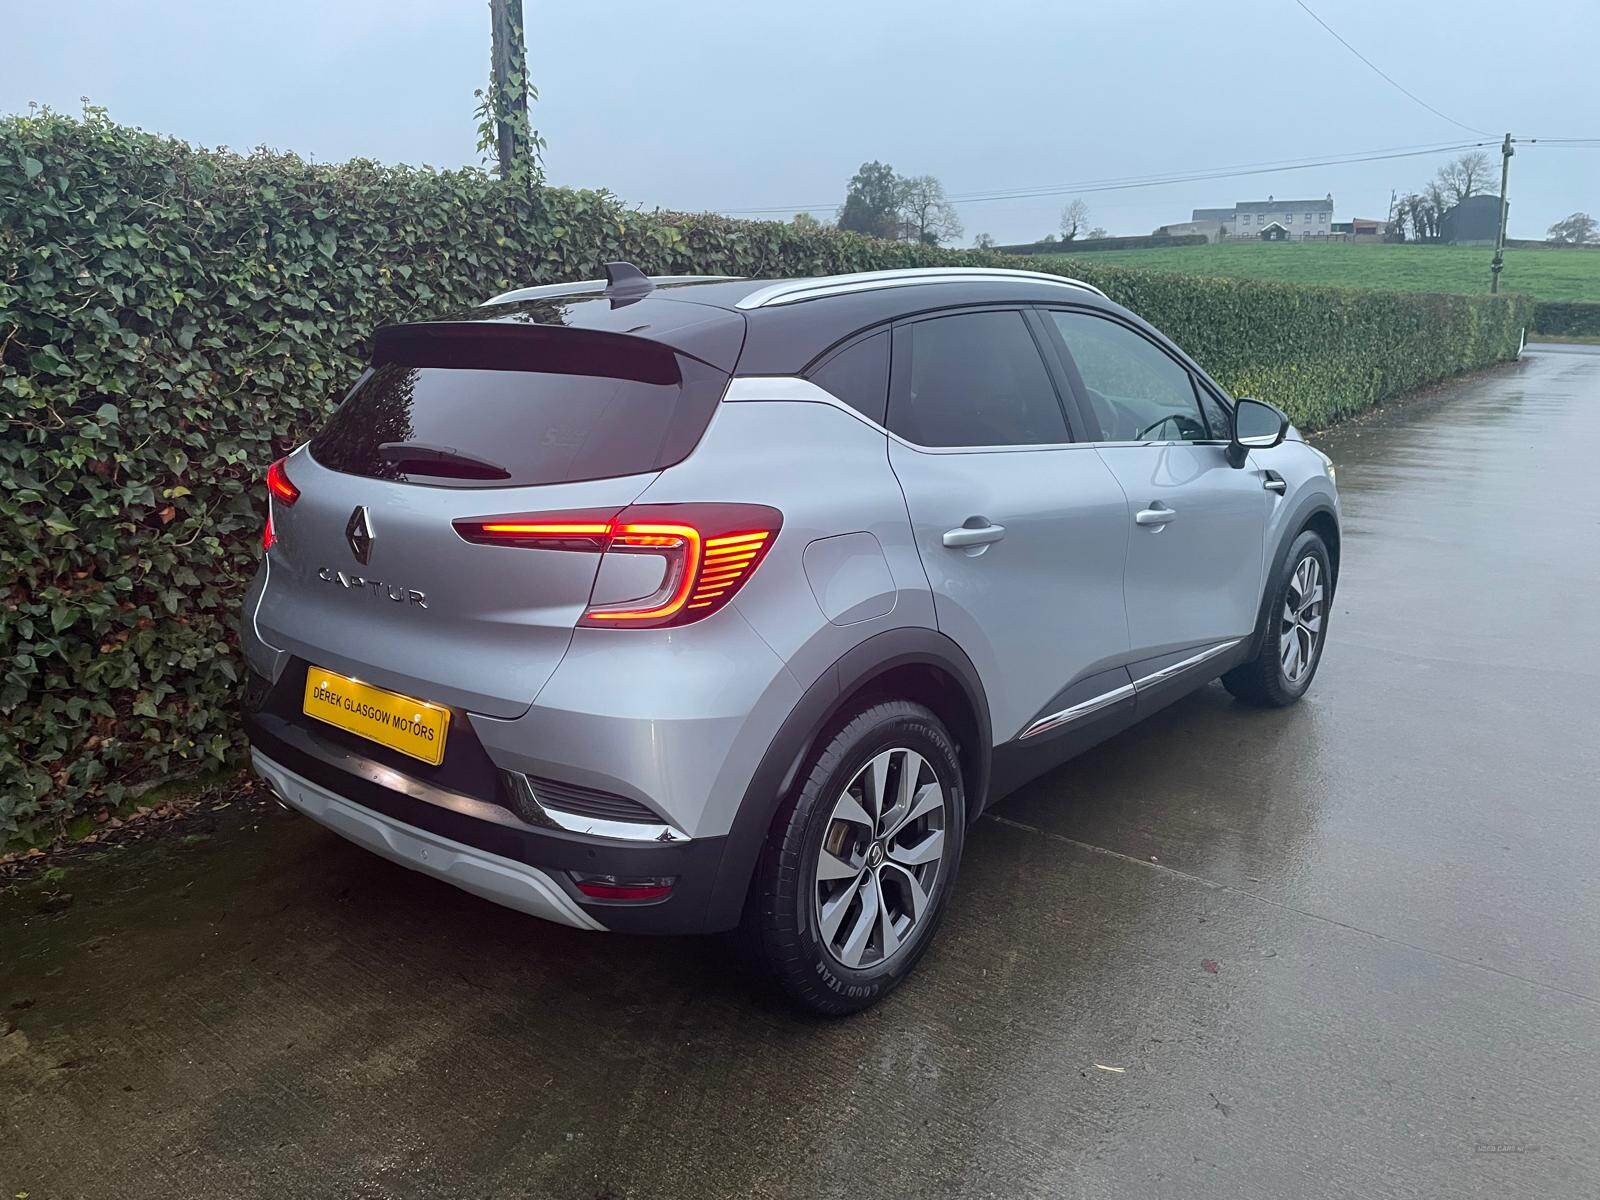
(518, 346)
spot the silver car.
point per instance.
(680, 605)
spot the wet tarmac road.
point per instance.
(1396, 883)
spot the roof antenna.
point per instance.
(624, 281)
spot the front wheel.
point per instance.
(855, 874)
(1290, 647)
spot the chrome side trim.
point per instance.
(793, 291)
(502, 880)
(1083, 709)
(621, 831)
(791, 389)
(1106, 699)
(549, 291)
(1177, 668)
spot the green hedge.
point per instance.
(171, 319)
(1567, 318)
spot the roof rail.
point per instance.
(617, 282)
(794, 291)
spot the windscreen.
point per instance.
(460, 414)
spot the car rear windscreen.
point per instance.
(514, 408)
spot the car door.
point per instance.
(1196, 525)
(1020, 529)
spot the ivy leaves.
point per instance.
(172, 319)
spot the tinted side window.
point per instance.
(973, 379)
(859, 375)
(1137, 392)
(1217, 415)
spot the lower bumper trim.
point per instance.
(502, 880)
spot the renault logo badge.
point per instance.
(359, 534)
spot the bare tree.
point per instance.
(1073, 218)
(925, 212)
(1462, 177)
(984, 241)
(1580, 229)
(1099, 231)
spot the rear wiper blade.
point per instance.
(421, 458)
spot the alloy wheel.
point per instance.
(881, 854)
(1300, 628)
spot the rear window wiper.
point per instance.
(421, 458)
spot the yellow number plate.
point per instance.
(412, 727)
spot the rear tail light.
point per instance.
(624, 887)
(284, 492)
(709, 552)
(281, 491)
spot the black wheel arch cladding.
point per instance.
(819, 708)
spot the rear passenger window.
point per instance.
(859, 375)
(973, 379)
(1137, 392)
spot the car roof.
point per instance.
(768, 326)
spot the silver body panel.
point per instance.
(1038, 563)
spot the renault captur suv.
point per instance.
(680, 605)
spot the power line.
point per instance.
(1264, 167)
(1390, 78)
(1128, 183)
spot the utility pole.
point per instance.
(1498, 264)
(508, 86)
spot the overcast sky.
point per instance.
(731, 106)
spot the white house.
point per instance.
(1302, 218)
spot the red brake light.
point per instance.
(711, 550)
(284, 492)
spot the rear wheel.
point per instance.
(855, 874)
(1290, 647)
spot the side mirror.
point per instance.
(1256, 426)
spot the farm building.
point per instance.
(1299, 218)
(1473, 222)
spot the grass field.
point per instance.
(1545, 274)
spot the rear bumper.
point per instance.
(478, 845)
(503, 880)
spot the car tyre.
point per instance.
(848, 892)
(1295, 628)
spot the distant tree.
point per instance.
(1425, 210)
(984, 241)
(871, 202)
(1073, 218)
(1462, 177)
(1099, 231)
(1580, 229)
(806, 222)
(1395, 230)
(925, 212)
(1048, 239)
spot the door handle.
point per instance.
(1156, 516)
(973, 535)
(1273, 482)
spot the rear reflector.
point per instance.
(710, 552)
(624, 887)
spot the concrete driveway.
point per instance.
(1348, 949)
